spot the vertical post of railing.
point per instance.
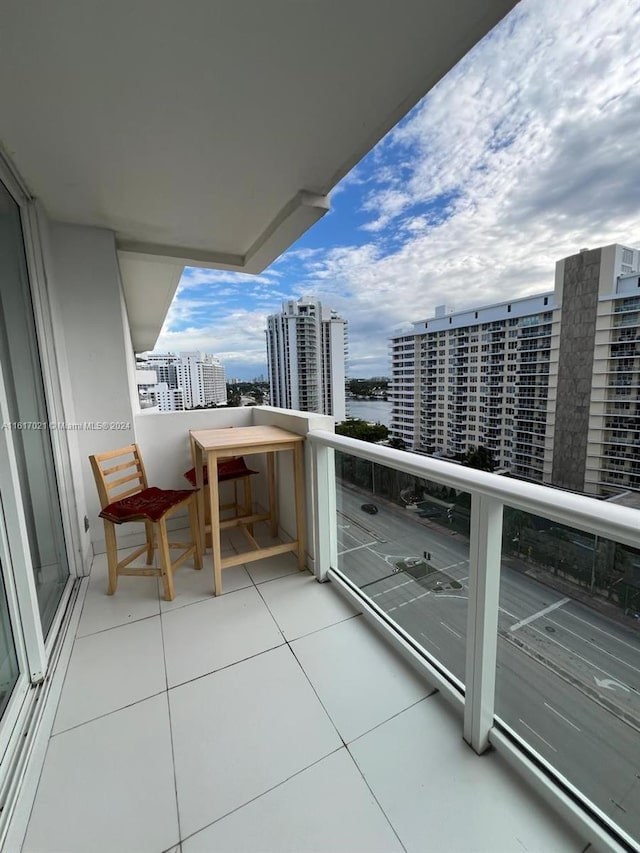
(324, 495)
(485, 550)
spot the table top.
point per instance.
(243, 438)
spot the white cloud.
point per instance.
(529, 146)
(533, 141)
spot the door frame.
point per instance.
(38, 648)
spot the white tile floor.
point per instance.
(270, 719)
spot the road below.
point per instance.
(568, 678)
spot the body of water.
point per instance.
(377, 411)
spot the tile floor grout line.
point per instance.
(265, 792)
(322, 705)
(378, 803)
(210, 597)
(107, 714)
(270, 612)
(316, 630)
(393, 716)
(173, 751)
(226, 666)
(325, 627)
(120, 625)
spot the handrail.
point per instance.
(489, 494)
(605, 519)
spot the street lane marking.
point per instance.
(592, 625)
(595, 645)
(540, 613)
(574, 652)
(561, 716)
(429, 640)
(610, 684)
(391, 588)
(444, 625)
(537, 735)
(358, 547)
(453, 566)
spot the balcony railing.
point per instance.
(492, 594)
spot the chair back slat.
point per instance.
(113, 484)
(110, 488)
(112, 470)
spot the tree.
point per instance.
(479, 457)
(357, 428)
(398, 443)
(233, 396)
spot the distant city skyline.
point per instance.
(523, 154)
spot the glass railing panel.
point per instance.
(404, 542)
(568, 676)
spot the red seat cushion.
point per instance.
(190, 475)
(148, 505)
(229, 469)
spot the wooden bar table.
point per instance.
(213, 444)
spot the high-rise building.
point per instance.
(187, 380)
(597, 412)
(549, 383)
(306, 346)
(201, 378)
(164, 364)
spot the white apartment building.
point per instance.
(169, 399)
(479, 377)
(306, 347)
(187, 380)
(164, 364)
(550, 383)
(201, 378)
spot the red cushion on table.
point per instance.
(149, 504)
(190, 475)
(228, 469)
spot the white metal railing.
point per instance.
(489, 494)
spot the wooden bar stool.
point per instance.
(126, 496)
(232, 468)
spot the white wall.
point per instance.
(163, 438)
(164, 443)
(85, 276)
(70, 473)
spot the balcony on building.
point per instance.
(297, 710)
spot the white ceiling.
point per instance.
(209, 132)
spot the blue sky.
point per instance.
(525, 153)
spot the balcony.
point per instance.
(273, 716)
(182, 695)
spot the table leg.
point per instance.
(273, 498)
(199, 462)
(212, 467)
(299, 490)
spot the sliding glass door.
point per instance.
(28, 421)
(9, 668)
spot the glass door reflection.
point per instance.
(9, 669)
(29, 422)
